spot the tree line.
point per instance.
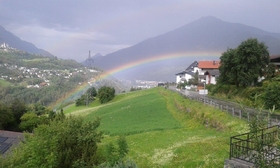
(18, 116)
(104, 94)
(246, 72)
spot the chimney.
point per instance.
(214, 62)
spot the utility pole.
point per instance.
(204, 92)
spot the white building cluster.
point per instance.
(208, 72)
(6, 47)
(24, 72)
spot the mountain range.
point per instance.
(203, 39)
(160, 58)
(15, 42)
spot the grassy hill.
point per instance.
(163, 129)
(47, 80)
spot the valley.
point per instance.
(116, 109)
(159, 131)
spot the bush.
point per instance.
(272, 96)
(30, 120)
(106, 94)
(63, 143)
(222, 89)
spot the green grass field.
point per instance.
(163, 129)
(4, 83)
(36, 60)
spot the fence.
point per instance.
(235, 109)
(246, 146)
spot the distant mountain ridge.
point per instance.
(15, 42)
(205, 35)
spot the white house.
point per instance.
(208, 72)
(212, 76)
(188, 73)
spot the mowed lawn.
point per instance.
(159, 131)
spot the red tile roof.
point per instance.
(208, 64)
(274, 56)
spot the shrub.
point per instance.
(106, 94)
(272, 96)
(63, 143)
(115, 153)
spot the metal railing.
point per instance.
(235, 110)
(246, 146)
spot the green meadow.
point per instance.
(163, 129)
(36, 60)
(4, 83)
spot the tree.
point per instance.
(194, 79)
(87, 97)
(228, 68)
(92, 92)
(7, 116)
(90, 95)
(80, 101)
(39, 109)
(18, 108)
(66, 143)
(253, 57)
(270, 71)
(244, 65)
(106, 94)
(30, 120)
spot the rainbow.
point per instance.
(133, 64)
(159, 58)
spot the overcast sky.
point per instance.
(70, 28)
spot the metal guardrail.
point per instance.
(245, 146)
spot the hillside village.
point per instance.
(43, 75)
(6, 47)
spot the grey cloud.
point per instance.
(102, 26)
